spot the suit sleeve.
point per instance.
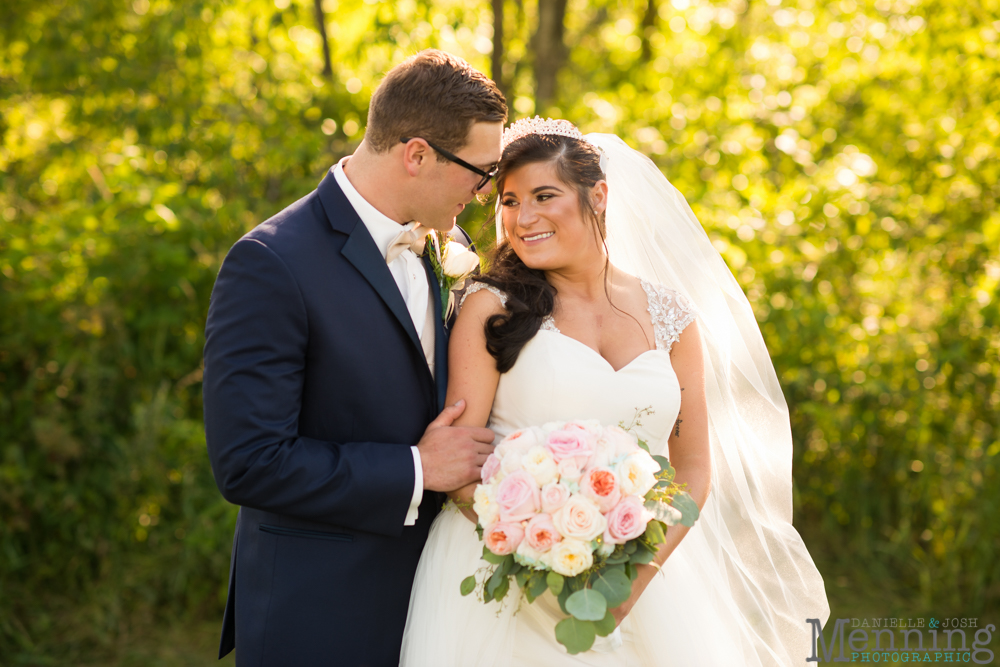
(255, 354)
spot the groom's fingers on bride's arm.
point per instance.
(481, 435)
(448, 415)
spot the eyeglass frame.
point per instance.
(487, 175)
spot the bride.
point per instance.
(605, 301)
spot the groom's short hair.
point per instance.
(433, 95)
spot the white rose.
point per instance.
(526, 555)
(604, 453)
(485, 505)
(570, 557)
(539, 463)
(511, 462)
(458, 261)
(622, 442)
(580, 519)
(637, 474)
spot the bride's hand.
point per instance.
(463, 500)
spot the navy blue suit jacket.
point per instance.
(315, 388)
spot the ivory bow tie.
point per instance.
(414, 239)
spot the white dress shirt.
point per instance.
(411, 278)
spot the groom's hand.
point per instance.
(453, 456)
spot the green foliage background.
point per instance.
(843, 156)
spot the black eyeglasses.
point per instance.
(487, 175)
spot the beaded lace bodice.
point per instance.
(670, 311)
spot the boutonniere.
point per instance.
(452, 263)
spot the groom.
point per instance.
(325, 372)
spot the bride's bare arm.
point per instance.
(472, 373)
(690, 454)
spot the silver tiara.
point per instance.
(539, 125)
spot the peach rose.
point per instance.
(580, 518)
(554, 496)
(601, 486)
(541, 533)
(627, 520)
(518, 497)
(503, 538)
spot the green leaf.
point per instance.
(687, 507)
(468, 585)
(613, 584)
(576, 635)
(605, 626)
(479, 532)
(642, 557)
(654, 532)
(491, 557)
(555, 582)
(501, 589)
(662, 460)
(537, 585)
(521, 577)
(631, 546)
(642, 443)
(587, 605)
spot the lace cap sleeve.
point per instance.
(670, 311)
(476, 286)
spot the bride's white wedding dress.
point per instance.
(739, 588)
(684, 617)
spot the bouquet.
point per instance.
(572, 508)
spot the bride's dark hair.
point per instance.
(530, 297)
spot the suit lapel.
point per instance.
(361, 251)
(440, 334)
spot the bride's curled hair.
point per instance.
(530, 297)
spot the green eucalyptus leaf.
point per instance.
(576, 635)
(613, 584)
(587, 605)
(468, 585)
(605, 626)
(556, 582)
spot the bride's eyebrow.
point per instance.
(545, 187)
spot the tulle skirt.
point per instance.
(686, 616)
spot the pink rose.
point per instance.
(601, 486)
(627, 520)
(491, 467)
(518, 497)
(541, 533)
(574, 444)
(554, 496)
(503, 538)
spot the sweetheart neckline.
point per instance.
(601, 356)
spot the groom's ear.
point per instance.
(415, 154)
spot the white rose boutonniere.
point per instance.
(452, 263)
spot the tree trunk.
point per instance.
(496, 64)
(321, 24)
(646, 28)
(550, 52)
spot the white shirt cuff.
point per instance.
(418, 489)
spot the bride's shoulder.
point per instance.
(482, 299)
